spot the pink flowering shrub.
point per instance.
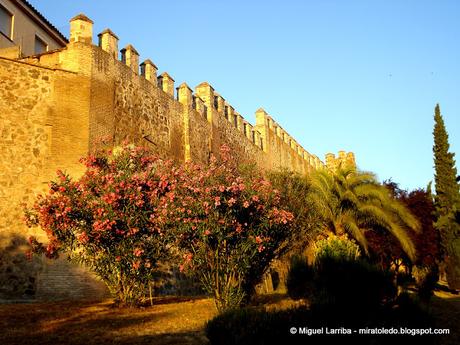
(111, 219)
(131, 209)
(230, 226)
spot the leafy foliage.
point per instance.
(294, 191)
(353, 202)
(426, 278)
(340, 248)
(339, 279)
(447, 200)
(231, 227)
(260, 326)
(299, 278)
(447, 188)
(131, 209)
(427, 242)
(388, 251)
(249, 326)
(111, 219)
(341, 285)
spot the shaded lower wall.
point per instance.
(61, 279)
(43, 127)
(18, 275)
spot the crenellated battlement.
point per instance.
(129, 99)
(57, 106)
(268, 127)
(205, 99)
(343, 160)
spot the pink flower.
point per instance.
(188, 257)
(61, 175)
(136, 264)
(239, 228)
(50, 248)
(138, 252)
(83, 238)
(246, 204)
(133, 231)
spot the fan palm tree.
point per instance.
(352, 202)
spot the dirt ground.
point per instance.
(446, 309)
(169, 321)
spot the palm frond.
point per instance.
(350, 226)
(404, 240)
(403, 215)
(354, 201)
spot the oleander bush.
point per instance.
(230, 226)
(132, 210)
(111, 219)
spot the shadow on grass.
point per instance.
(79, 330)
(167, 322)
(444, 287)
(181, 338)
(446, 311)
(66, 323)
(170, 300)
(185, 338)
(272, 298)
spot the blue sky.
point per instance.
(362, 76)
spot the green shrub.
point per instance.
(259, 326)
(299, 278)
(351, 284)
(339, 279)
(426, 279)
(229, 228)
(338, 247)
(250, 326)
(404, 279)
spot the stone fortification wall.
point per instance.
(43, 126)
(57, 106)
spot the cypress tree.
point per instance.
(447, 189)
(447, 200)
